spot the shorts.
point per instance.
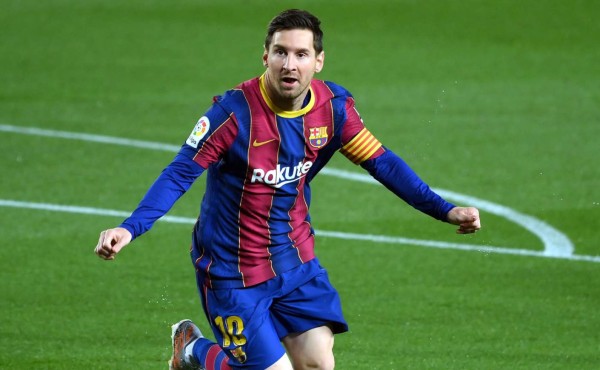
(249, 323)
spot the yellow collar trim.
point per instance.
(281, 112)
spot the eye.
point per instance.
(280, 52)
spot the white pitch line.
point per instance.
(36, 131)
(556, 244)
(447, 245)
(320, 233)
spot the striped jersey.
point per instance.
(254, 222)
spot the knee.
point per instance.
(326, 363)
(321, 362)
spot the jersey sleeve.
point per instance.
(170, 185)
(362, 148)
(391, 171)
(358, 144)
(212, 136)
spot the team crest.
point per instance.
(199, 131)
(318, 136)
(239, 354)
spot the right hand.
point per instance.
(111, 242)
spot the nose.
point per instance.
(290, 63)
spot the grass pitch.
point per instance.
(494, 100)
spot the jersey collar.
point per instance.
(281, 112)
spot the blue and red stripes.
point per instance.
(210, 355)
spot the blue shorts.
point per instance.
(249, 323)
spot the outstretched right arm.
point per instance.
(210, 139)
(172, 183)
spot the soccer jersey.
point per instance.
(254, 222)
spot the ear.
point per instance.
(265, 58)
(320, 62)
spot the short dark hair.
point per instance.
(296, 19)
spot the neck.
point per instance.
(293, 111)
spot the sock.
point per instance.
(189, 350)
(210, 355)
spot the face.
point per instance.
(291, 62)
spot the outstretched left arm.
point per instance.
(362, 148)
(391, 171)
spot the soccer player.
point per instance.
(268, 300)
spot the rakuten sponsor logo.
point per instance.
(281, 175)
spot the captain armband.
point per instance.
(361, 147)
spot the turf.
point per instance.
(496, 100)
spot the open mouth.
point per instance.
(289, 80)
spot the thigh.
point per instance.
(242, 326)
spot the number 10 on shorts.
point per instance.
(231, 328)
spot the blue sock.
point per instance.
(210, 355)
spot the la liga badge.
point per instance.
(199, 131)
(318, 136)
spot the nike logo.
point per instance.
(261, 143)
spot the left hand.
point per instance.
(467, 218)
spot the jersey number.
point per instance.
(231, 328)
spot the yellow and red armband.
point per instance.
(362, 147)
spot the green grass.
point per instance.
(499, 100)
